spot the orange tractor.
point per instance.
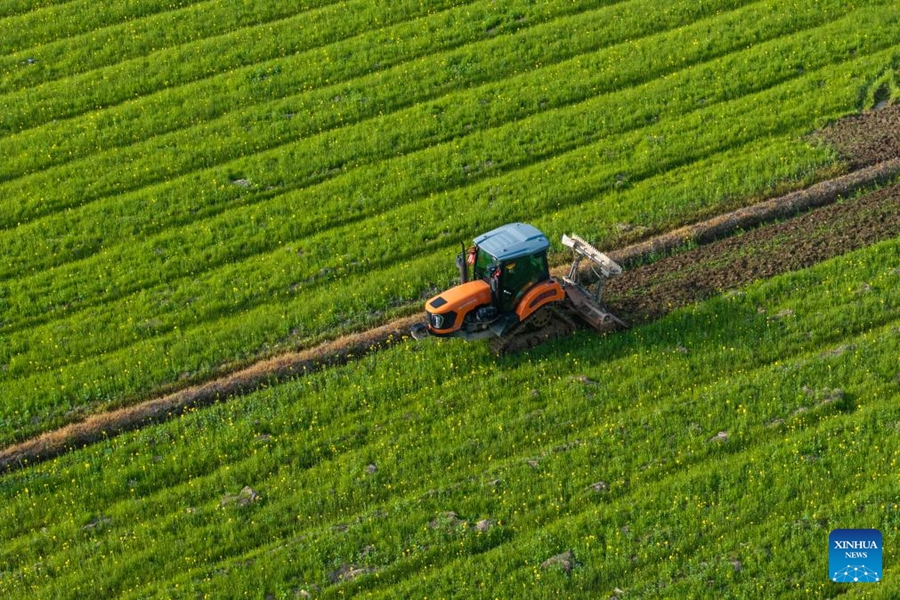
(506, 293)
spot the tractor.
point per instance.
(506, 293)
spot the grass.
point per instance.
(194, 272)
(805, 397)
(186, 186)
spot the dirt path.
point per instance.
(640, 294)
(293, 364)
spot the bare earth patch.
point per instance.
(867, 138)
(650, 291)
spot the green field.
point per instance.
(188, 186)
(800, 372)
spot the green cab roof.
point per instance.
(512, 241)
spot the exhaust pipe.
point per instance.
(461, 265)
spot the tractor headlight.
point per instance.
(437, 321)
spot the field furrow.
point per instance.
(190, 103)
(276, 124)
(11, 8)
(109, 86)
(53, 21)
(139, 37)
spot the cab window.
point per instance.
(483, 260)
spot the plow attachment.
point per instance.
(584, 286)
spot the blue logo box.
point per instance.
(854, 556)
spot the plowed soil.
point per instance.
(867, 138)
(648, 292)
(868, 141)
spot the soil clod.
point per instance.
(448, 519)
(565, 561)
(246, 496)
(600, 487)
(722, 436)
(98, 523)
(484, 524)
(347, 572)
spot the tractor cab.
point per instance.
(510, 259)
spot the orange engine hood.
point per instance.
(456, 303)
(460, 298)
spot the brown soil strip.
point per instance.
(749, 217)
(650, 291)
(865, 139)
(108, 424)
(639, 294)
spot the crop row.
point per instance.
(9, 8)
(291, 118)
(57, 20)
(376, 269)
(140, 37)
(138, 119)
(618, 416)
(370, 51)
(438, 167)
(259, 46)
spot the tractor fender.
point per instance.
(539, 295)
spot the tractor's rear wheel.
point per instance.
(547, 323)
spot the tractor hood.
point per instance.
(447, 310)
